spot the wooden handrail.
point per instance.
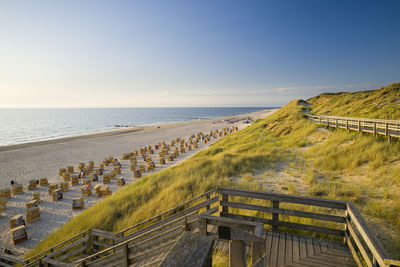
(354, 118)
(208, 193)
(377, 250)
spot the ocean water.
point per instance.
(28, 125)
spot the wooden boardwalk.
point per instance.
(286, 249)
(388, 128)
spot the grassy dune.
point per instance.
(333, 164)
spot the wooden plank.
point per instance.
(268, 246)
(324, 245)
(373, 244)
(68, 247)
(289, 248)
(101, 244)
(311, 215)
(281, 249)
(72, 253)
(312, 228)
(296, 248)
(302, 247)
(317, 246)
(190, 250)
(310, 248)
(104, 234)
(233, 223)
(305, 227)
(320, 202)
(274, 249)
(247, 218)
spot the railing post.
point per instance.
(208, 197)
(375, 128)
(224, 208)
(359, 126)
(237, 253)
(337, 123)
(275, 216)
(386, 129)
(347, 125)
(95, 238)
(126, 255)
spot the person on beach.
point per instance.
(12, 182)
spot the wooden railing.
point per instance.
(387, 128)
(89, 241)
(238, 209)
(171, 214)
(164, 231)
(365, 247)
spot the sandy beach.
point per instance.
(44, 159)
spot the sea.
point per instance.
(19, 126)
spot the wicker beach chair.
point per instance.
(5, 193)
(19, 234)
(78, 203)
(32, 214)
(43, 182)
(17, 189)
(52, 187)
(106, 179)
(32, 185)
(86, 190)
(36, 196)
(57, 195)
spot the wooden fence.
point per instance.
(149, 241)
(388, 128)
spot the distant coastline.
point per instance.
(118, 131)
(28, 127)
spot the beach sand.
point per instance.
(44, 159)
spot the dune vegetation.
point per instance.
(322, 162)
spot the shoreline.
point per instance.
(124, 130)
(43, 159)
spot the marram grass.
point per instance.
(341, 165)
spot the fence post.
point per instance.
(347, 125)
(224, 208)
(359, 126)
(337, 124)
(375, 128)
(386, 129)
(275, 216)
(126, 255)
(208, 197)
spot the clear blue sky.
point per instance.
(193, 53)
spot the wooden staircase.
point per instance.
(273, 229)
